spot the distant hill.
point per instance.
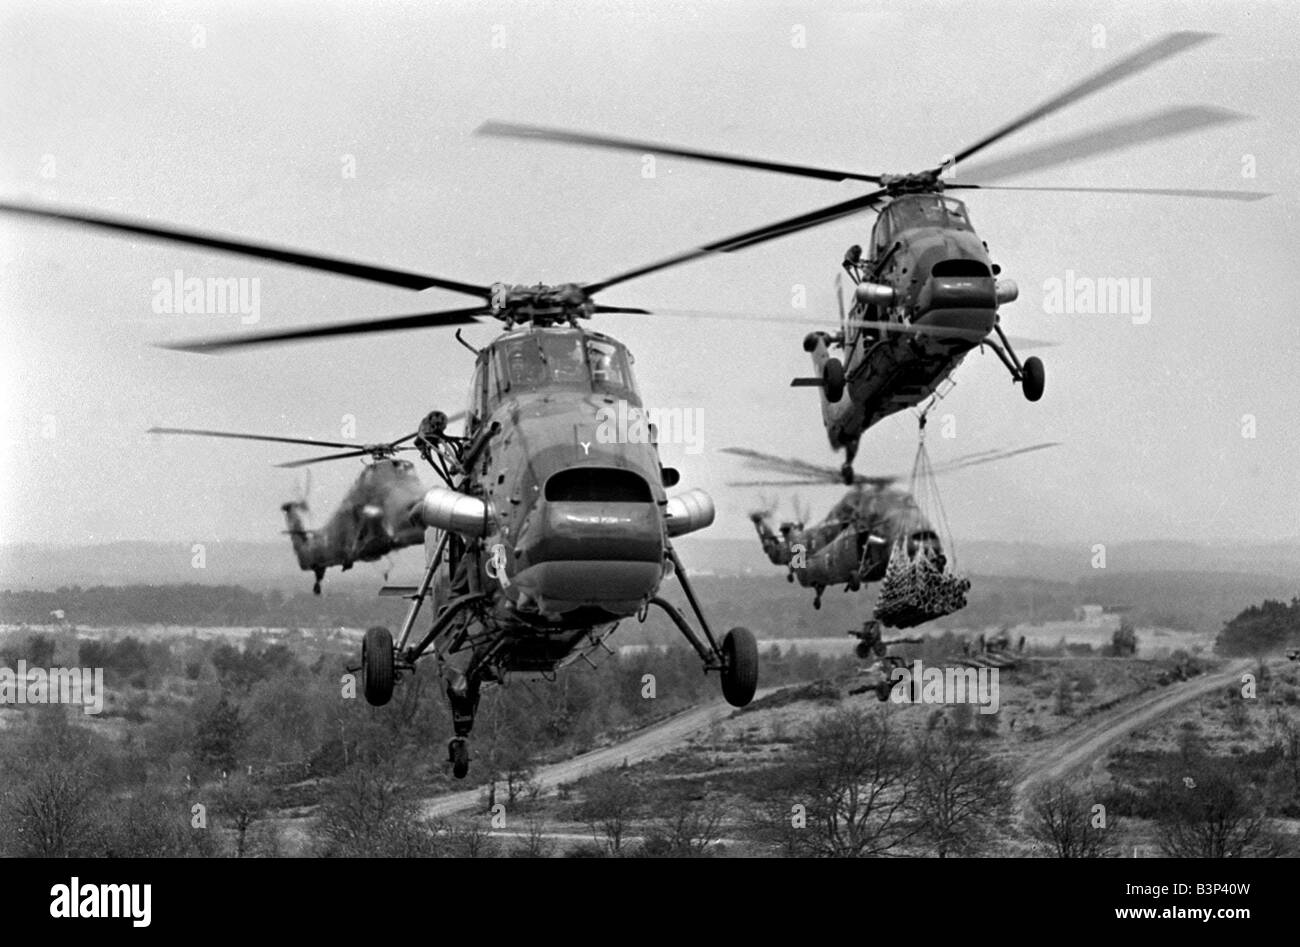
(1162, 584)
(261, 565)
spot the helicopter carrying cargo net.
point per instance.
(919, 585)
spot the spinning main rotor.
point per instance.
(1112, 136)
(571, 301)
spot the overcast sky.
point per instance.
(243, 118)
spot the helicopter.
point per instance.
(853, 543)
(926, 291)
(543, 535)
(372, 520)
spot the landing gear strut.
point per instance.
(463, 694)
(1031, 375)
(736, 659)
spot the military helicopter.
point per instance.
(852, 544)
(373, 519)
(926, 289)
(544, 534)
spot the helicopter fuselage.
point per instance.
(852, 545)
(371, 522)
(924, 298)
(576, 520)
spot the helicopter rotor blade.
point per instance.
(776, 483)
(813, 475)
(375, 274)
(418, 320)
(367, 450)
(197, 432)
(315, 460)
(750, 238)
(1113, 136)
(1156, 191)
(634, 310)
(637, 146)
(962, 464)
(1167, 46)
(790, 466)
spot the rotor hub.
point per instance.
(913, 183)
(542, 305)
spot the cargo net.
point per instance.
(919, 585)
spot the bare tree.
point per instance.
(52, 814)
(470, 840)
(243, 803)
(1061, 817)
(773, 819)
(1210, 813)
(612, 800)
(689, 831)
(535, 843)
(851, 774)
(366, 812)
(961, 796)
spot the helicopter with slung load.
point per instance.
(853, 543)
(926, 290)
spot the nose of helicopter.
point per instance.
(958, 296)
(596, 540)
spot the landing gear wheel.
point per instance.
(1033, 378)
(846, 474)
(833, 380)
(458, 756)
(740, 667)
(377, 666)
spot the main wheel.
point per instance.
(833, 380)
(1034, 377)
(740, 667)
(377, 666)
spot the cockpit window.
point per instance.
(927, 210)
(523, 364)
(606, 364)
(568, 359)
(956, 213)
(564, 360)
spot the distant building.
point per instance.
(1091, 614)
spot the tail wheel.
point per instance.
(377, 666)
(833, 380)
(739, 666)
(1034, 377)
(458, 756)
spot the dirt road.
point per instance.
(646, 744)
(1081, 746)
(1072, 750)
